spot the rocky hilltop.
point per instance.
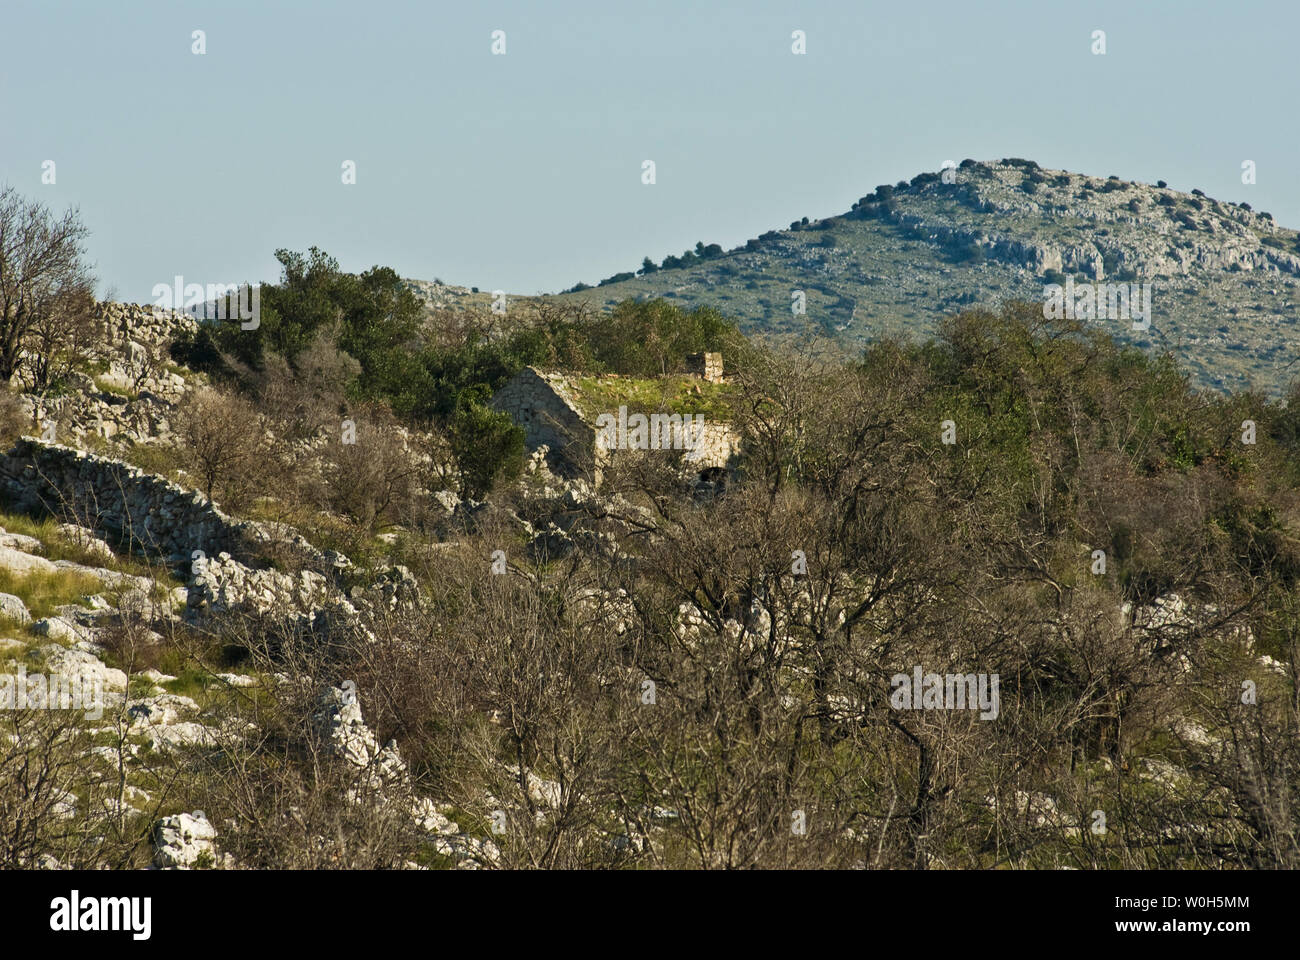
(1224, 275)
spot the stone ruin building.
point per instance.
(552, 412)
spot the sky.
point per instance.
(523, 171)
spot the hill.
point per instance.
(1224, 276)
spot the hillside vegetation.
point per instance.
(431, 651)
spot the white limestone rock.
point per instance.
(60, 629)
(85, 667)
(86, 539)
(184, 841)
(13, 608)
(23, 564)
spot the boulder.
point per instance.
(57, 628)
(85, 666)
(183, 842)
(14, 608)
(86, 540)
(18, 541)
(23, 564)
(162, 710)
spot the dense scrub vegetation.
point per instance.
(423, 371)
(852, 545)
(705, 673)
(332, 346)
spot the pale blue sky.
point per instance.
(522, 171)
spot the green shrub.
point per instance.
(487, 445)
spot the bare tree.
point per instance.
(41, 267)
(59, 339)
(223, 436)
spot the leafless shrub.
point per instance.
(370, 469)
(305, 400)
(223, 442)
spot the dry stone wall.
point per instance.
(149, 513)
(707, 366)
(122, 323)
(74, 417)
(134, 388)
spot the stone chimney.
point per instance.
(707, 366)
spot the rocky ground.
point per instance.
(84, 600)
(77, 589)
